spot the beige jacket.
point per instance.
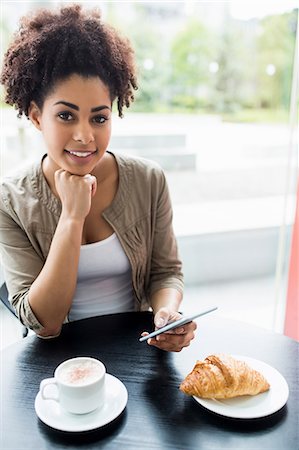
(140, 214)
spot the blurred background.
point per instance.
(217, 108)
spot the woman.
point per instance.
(84, 232)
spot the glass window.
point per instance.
(213, 109)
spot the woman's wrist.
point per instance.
(169, 298)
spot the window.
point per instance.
(213, 108)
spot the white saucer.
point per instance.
(51, 414)
(252, 407)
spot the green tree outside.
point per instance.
(275, 50)
(191, 52)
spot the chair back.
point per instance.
(7, 304)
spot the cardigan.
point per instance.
(140, 214)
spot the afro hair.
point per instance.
(50, 46)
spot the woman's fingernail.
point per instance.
(160, 322)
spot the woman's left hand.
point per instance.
(173, 340)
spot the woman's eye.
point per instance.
(65, 115)
(99, 119)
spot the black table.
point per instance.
(158, 415)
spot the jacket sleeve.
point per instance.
(166, 266)
(21, 265)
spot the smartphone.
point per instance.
(176, 324)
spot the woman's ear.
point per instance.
(35, 115)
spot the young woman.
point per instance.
(84, 232)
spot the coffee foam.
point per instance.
(79, 373)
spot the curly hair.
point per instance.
(51, 46)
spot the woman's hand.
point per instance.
(173, 340)
(75, 193)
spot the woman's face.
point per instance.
(76, 123)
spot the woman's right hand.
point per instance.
(75, 193)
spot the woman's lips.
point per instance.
(81, 157)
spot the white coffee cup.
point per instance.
(80, 385)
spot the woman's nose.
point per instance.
(83, 133)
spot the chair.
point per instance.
(6, 303)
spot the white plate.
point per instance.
(252, 407)
(51, 414)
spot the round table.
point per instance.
(158, 415)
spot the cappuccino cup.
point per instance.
(79, 385)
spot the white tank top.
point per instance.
(104, 283)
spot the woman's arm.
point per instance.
(51, 294)
(21, 263)
(166, 280)
(165, 298)
(41, 291)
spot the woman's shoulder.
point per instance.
(22, 174)
(140, 166)
(20, 183)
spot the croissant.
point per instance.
(221, 376)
